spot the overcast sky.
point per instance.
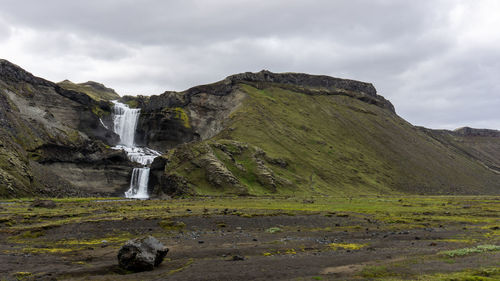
(438, 61)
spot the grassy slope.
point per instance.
(338, 145)
(484, 148)
(93, 92)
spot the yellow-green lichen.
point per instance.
(346, 246)
(181, 115)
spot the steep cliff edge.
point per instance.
(52, 141)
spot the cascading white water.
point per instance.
(125, 123)
(138, 183)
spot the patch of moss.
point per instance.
(273, 230)
(483, 274)
(22, 275)
(468, 251)
(33, 250)
(182, 115)
(280, 252)
(346, 246)
(185, 266)
(92, 89)
(31, 234)
(132, 103)
(171, 225)
(99, 111)
(375, 272)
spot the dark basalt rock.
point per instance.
(141, 254)
(305, 80)
(14, 73)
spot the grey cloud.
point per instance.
(5, 31)
(410, 50)
(179, 22)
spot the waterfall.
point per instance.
(124, 124)
(138, 184)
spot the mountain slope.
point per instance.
(296, 139)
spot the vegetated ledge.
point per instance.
(300, 82)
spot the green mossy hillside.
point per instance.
(325, 145)
(94, 90)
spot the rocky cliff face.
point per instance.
(53, 141)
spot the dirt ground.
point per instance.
(80, 240)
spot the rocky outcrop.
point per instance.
(305, 80)
(216, 172)
(224, 167)
(175, 118)
(314, 85)
(471, 132)
(141, 254)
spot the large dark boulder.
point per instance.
(141, 254)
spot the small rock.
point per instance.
(141, 254)
(238, 228)
(238, 258)
(43, 204)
